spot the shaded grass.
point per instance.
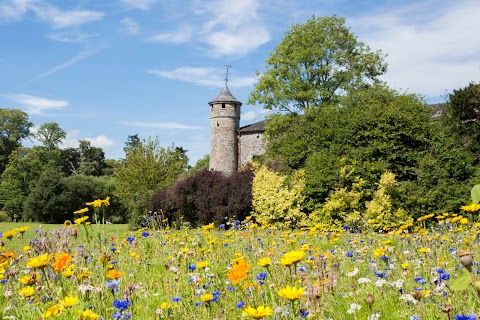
(18, 242)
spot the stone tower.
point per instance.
(224, 124)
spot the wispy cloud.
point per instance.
(206, 77)
(233, 27)
(139, 4)
(130, 26)
(73, 136)
(79, 57)
(37, 105)
(250, 115)
(160, 125)
(430, 50)
(70, 37)
(183, 34)
(15, 10)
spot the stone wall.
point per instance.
(251, 145)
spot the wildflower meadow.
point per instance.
(427, 269)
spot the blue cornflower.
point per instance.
(384, 258)
(303, 313)
(420, 280)
(414, 317)
(230, 288)
(302, 269)
(443, 275)
(145, 234)
(222, 226)
(192, 267)
(113, 249)
(346, 228)
(176, 299)
(130, 239)
(121, 304)
(349, 254)
(240, 305)
(466, 317)
(112, 284)
(262, 276)
(380, 274)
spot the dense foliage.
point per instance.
(205, 197)
(316, 62)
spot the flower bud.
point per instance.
(466, 259)
(369, 299)
(417, 295)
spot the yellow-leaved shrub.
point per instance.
(277, 198)
(380, 212)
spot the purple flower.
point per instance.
(466, 317)
(240, 305)
(420, 280)
(262, 276)
(121, 304)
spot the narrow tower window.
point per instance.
(223, 105)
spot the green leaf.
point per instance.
(462, 282)
(476, 193)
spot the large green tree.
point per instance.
(316, 62)
(50, 134)
(463, 115)
(147, 167)
(14, 127)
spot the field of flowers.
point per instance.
(242, 270)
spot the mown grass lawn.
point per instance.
(19, 241)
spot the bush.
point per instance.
(207, 196)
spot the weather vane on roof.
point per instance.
(226, 75)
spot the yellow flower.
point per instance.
(22, 230)
(9, 234)
(106, 201)
(264, 262)
(464, 221)
(81, 211)
(206, 297)
(208, 226)
(405, 265)
(68, 272)
(84, 274)
(113, 274)
(88, 315)
(380, 251)
(291, 293)
(26, 292)
(96, 203)
(202, 264)
(471, 208)
(258, 313)
(29, 279)
(69, 301)
(52, 311)
(424, 250)
(26, 248)
(40, 262)
(67, 224)
(81, 220)
(292, 257)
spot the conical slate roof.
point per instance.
(225, 96)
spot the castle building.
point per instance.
(231, 146)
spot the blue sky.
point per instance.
(104, 70)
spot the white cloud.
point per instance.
(430, 49)
(73, 136)
(101, 141)
(139, 4)
(70, 37)
(233, 27)
(37, 105)
(249, 116)
(15, 10)
(161, 125)
(183, 34)
(203, 76)
(79, 57)
(130, 26)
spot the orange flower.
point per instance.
(61, 261)
(113, 274)
(238, 271)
